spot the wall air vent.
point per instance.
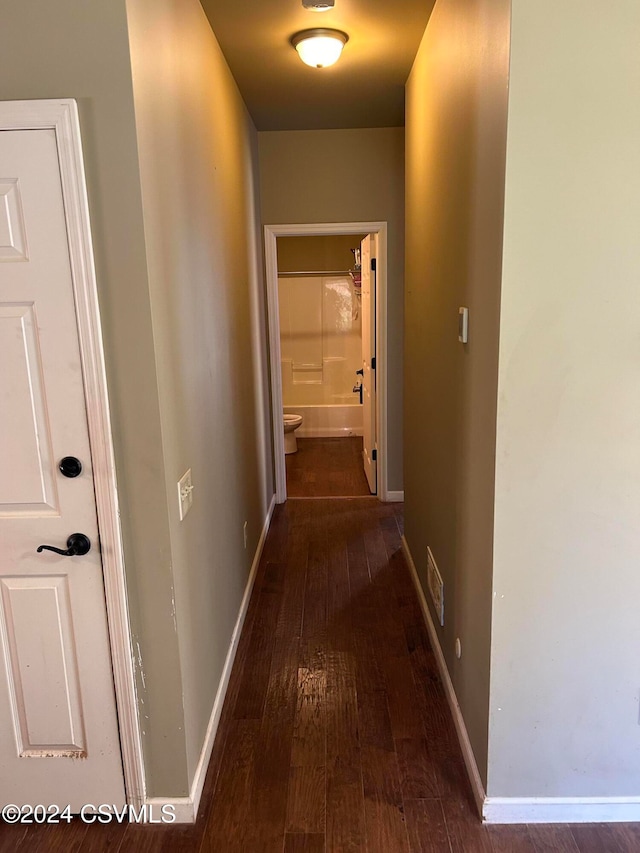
(436, 586)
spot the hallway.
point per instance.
(335, 733)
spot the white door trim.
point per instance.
(271, 233)
(61, 116)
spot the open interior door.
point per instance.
(368, 265)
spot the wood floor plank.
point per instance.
(253, 686)
(266, 815)
(375, 724)
(387, 631)
(306, 804)
(402, 588)
(267, 812)
(226, 825)
(627, 835)
(429, 692)
(384, 808)
(314, 620)
(449, 768)
(345, 808)
(338, 587)
(341, 670)
(304, 843)
(109, 838)
(553, 839)
(390, 533)
(273, 550)
(600, 837)
(296, 556)
(466, 833)
(404, 711)
(375, 550)
(417, 773)
(385, 826)
(342, 721)
(369, 674)
(63, 837)
(511, 839)
(309, 728)
(182, 838)
(356, 559)
(384, 805)
(345, 831)
(417, 639)
(12, 836)
(426, 826)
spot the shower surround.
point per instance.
(321, 350)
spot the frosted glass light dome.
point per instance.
(319, 48)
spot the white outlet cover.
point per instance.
(185, 494)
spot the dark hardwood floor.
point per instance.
(327, 467)
(335, 733)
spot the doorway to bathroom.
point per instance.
(326, 288)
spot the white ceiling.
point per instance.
(364, 89)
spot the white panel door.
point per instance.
(368, 356)
(58, 728)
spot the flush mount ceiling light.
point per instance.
(319, 47)
(319, 5)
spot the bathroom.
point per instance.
(320, 314)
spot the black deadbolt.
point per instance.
(70, 466)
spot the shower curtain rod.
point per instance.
(303, 273)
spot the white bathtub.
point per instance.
(327, 421)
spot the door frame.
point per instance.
(271, 233)
(61, 116)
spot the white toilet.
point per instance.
(291, 424)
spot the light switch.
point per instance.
(463, 325)
(185, 494)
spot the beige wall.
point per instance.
(198, 165)
(177, 330)
(566, 633)
(456, 125)
(80, 50)
(331, 252)
(346, 176)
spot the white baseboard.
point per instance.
(561, 809)
(395, 497)
(518, 809)
(182, 809)
(186, 808)
(461, 729)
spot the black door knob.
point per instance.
(70, 466)
(77, 545)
